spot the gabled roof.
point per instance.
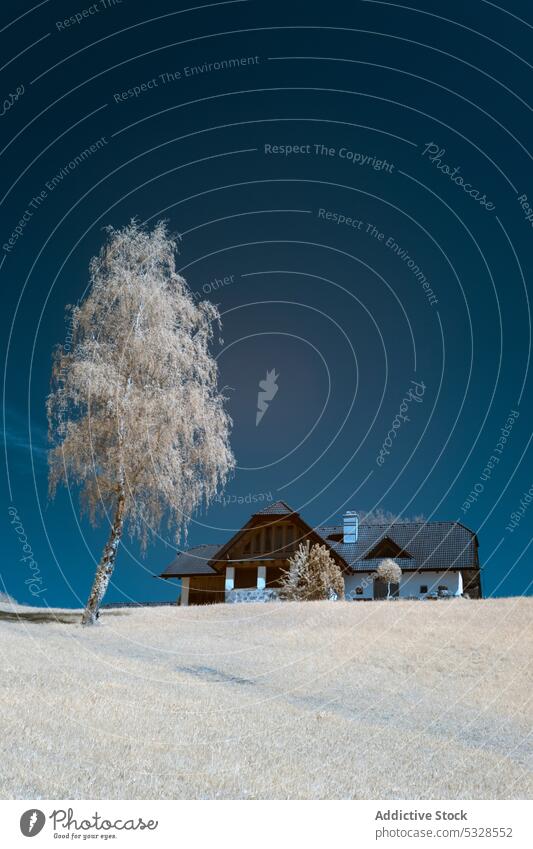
(431, 545)
(193, 561)
(428, 545)
(277, 508)
(386, 547)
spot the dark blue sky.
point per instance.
(351, 182)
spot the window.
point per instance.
(359, 591)
(442, 587)
(423, 588)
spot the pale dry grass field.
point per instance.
(318, 700)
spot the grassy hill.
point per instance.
(317, 700)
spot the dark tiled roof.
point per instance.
(432, 545)
(195, 561)
(277, 508)
(372, 563)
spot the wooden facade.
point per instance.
(267, 542)
(206, 590)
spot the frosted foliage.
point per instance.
(386, 517)
(134, 412)
(389, 571)
(312, 575)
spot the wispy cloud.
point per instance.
(20, 435)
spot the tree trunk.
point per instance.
(106, 565)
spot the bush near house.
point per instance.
(312, 575)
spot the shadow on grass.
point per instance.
(66, 617)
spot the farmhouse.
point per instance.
(433, 556)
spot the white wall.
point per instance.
(410, 583)
(361, 579)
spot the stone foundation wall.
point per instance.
(251, 596)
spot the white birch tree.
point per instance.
(135, 415)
